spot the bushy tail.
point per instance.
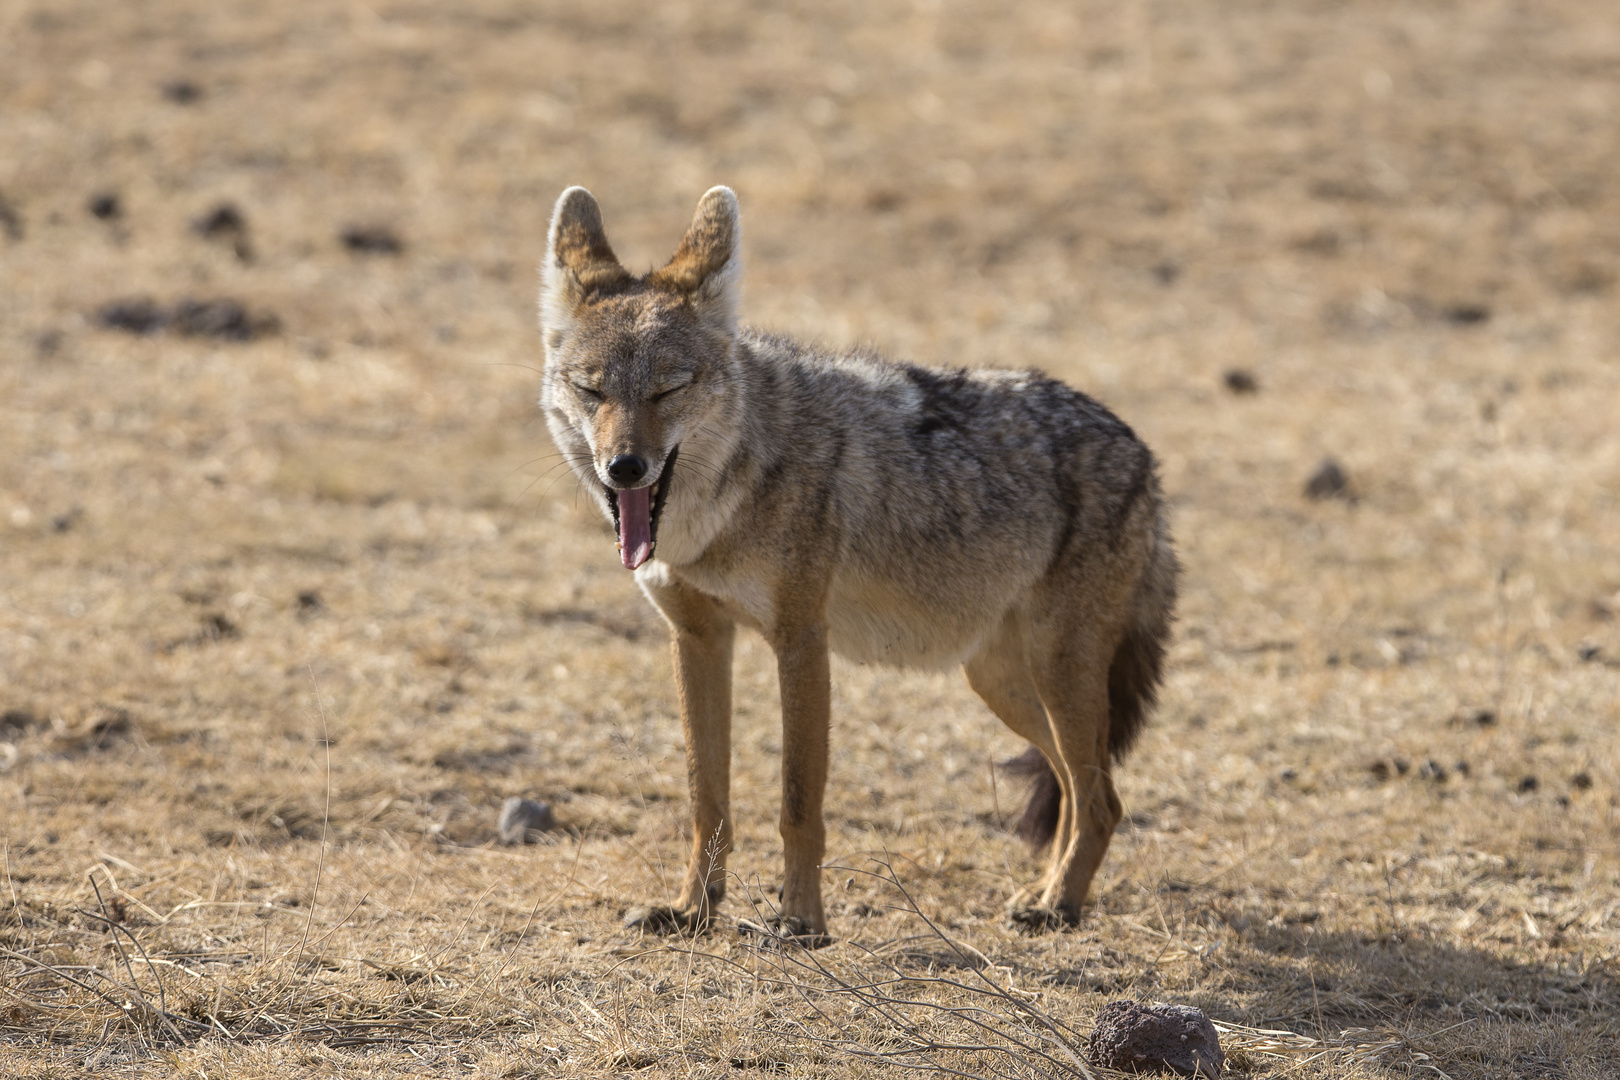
(1039, 822)
(1133, 689)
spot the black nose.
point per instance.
(626, 469)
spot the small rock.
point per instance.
(1155, 1038)
(105, 205)
(1588, 653)
(227, 319)
(138, 315)
(1241, 382)
(212, 318)
(11, 222)
(1385, 768)
(1528, 784)
(520, 817)
(1466, 314)
(1433, 770)
(1329, 481)
(371, 240)
(1581, 781)
(226, 223)
(222, 220)
(182, 91)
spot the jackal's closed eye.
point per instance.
(662, 394)
(587, 392)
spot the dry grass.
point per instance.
(283, 621)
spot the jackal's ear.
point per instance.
(707, 267)
(579, 260)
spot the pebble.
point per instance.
(520, 816)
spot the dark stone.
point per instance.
(1581, 781)
(371, 240)
(1155, 1038)
(105, 205)
(1528, 784)
(226, 319)
(182, 91)
(223, 220)
(1466, 314)
(212, 318)
(138, 315)
(520, 817)
(226, 223)
(1240, 381)
(11, 222)
(1329, 481)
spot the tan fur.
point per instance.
(892, 513)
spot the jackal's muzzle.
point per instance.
(636, 512)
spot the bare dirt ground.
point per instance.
(292, 595)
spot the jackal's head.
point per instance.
(635, 365)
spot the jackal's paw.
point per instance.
(787, 930)
(665, 919)
(1040, 920)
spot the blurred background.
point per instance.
(272, 480)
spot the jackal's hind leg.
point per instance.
(1000, 674)
(1071, 674)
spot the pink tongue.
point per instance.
(635, 527)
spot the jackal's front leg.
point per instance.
(802, 670)
(703, 637)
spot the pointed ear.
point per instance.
(579, 259)
(707, 267)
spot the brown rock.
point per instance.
(1329, 481)
(1139, 1038)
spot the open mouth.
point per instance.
(636, 512)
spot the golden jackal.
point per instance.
(892, 513)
